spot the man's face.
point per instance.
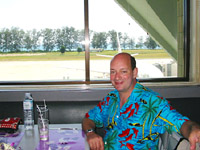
(121, 74)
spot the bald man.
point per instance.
(132, 115)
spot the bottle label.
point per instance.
(28, 104)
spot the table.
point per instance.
(31, 140)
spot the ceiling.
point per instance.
(158, 18)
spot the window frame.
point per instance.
(87, 57)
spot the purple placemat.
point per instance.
(63, 140)
(12, 139)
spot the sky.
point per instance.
(104, 15)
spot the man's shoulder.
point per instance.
(146, 93)
(143, 89)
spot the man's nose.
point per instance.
(117, 75)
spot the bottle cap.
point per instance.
(28, 96)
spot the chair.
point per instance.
(174, 141)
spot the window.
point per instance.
(60, 42)
(152, 31)
(38, 40)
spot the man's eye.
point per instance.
(112, 72)
(124, 71)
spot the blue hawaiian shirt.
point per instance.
(138, 123)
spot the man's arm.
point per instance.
(191, 131)
(94, 140)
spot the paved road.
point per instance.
(69, 70)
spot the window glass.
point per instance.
(42, 40)
(152, 31)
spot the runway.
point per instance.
(68, 70)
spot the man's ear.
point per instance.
(135, 72)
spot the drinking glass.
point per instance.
(43, 128)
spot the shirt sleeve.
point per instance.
(171, 119)
(96, 114)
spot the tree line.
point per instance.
(66, 39)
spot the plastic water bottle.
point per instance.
(28, 112)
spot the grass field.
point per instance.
(57, 56)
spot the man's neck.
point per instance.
(125, 95)
(122, 101)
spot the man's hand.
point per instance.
(95, 141)
(191, 131)
(194, 138)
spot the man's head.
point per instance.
(123, 72)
